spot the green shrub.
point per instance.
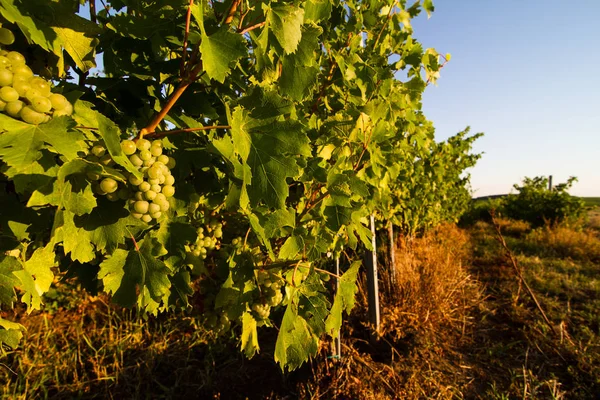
(538, 205)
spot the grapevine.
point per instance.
(219, 159)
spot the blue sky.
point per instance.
(526, 74)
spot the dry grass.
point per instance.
(565, 242)
(431, 282)
(426, 318)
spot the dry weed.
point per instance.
(565, 242)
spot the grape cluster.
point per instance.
(208, 239)
(150, 193)
(147, 196)
(270, 285)
(218, 323)
(23, 95)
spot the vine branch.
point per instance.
(188, 17)
(93, 11)
(231, 13)
(172, 132)
(252, 27)
(171, 101)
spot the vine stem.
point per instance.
(202, 128)
(171, 102)
(234, 5)
(251, 28)
(185, 38)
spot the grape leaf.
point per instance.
(344, 299)
(105, 226)
(337, 216)
(36, 276)
(181, 288)
(317, 10)
(295, 341)
(79, 38)
(70, 190)
(249, 335)
(20, 144)
(291, 248)
(75, 240)
(219, 51)
(10, 333)
(174, 234)
(285, 22)
(127, 273)
(8, 280)
(268, 150)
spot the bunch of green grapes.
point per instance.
(270, 285)
(208, 239)
(102, 185)
(217, 322)
(151, 192)
(23, 95)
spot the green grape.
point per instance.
(134, 180)
(123, 193)
(146, 218)
(13, 108)
(149, 162)
(171, 164)
(164, 206)
(168, 191)
(163, 159)
(23, 70)
(60, 102)
(92, 176)
(143, 144)
(135, 160)
(218, 232)
(41, 85)
(21, 87)
(156, 215)
(153, 208)
(139, 196)
(169, 180)
(5, 62)
(207, 242)
(8, 94)
(16, 58)
(68, 110)
(97, 189)
(6, 77)
(141, 207)
(156, 188)
(145, 155)
(31, 116)
(32, 93)
(106, 160)
(153, 172)
(235, 241)
(150, 195)
(161, 179)
(42, 105)
(160, 198)
(137, 215)
(144, 187)
(154, 181)
(2, 105)
(6, 37)
(109, 185)
(155, 150)
(98, 150)
(112, 196)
